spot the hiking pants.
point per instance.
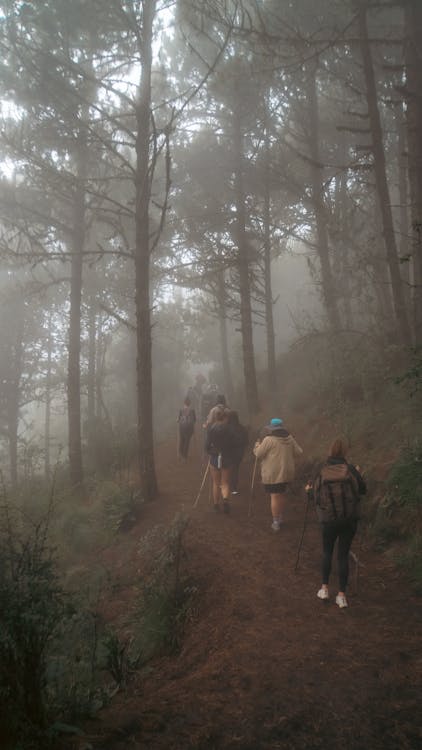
(343, 530)
(184, 440)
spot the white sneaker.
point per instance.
(323, 593)
(341, 601)
(275, 525)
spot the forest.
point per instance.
(220, 193)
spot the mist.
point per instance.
(221, 195)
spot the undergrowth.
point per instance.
(60, 662)
(398, 516)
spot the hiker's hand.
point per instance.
(308, 487)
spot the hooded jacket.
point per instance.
(277, 453)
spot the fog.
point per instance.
(198, 201)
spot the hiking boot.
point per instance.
(341, 601)
(276, 525)
(323, 593)
(226, 507)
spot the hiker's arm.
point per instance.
(297, 449)
(309, 489)
(359, 478)
(260, 449)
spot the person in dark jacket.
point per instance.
(186, 423)
(338, 521)
(221, 446)
(241, 436)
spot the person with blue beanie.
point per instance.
(277, 452)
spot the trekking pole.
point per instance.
(202, 485)
(252, 486)
(303, 530)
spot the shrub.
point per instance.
(166, 593)
(405, 480)
(32, 604)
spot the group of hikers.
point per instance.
(335, 490)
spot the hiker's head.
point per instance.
(221, 399)
(187, 401)
(338, 448)
(275, 424)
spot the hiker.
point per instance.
(208, 400)
(336, 491)
(186, 421)
(277, 452)
(220, 406)
(221, 448)
(241, 441)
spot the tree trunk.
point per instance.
(148, 479)
(47, 419)
(403, 204)
(91, 376)
(413, 59)
(222, 320)
(269, 318)
(244, 281)
(317, 179)
(74, 372)
(381, 181)
(13, 394)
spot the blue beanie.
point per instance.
(276, 422)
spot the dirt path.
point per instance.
(264, 663)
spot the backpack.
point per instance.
(336, 493)
(186, 420)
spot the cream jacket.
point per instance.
(277, 456)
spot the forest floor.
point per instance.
(264, 664)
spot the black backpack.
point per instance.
(336, 493)
(186, 419)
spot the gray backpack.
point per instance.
(336, 493)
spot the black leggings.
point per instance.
(345, 530)
(184, 440)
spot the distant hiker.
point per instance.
(208, 400)
(336, 492)
(186, 421)
(221, 448)
(220, 406)
(277, 452)
(241, 441)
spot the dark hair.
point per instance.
(233, 417)
(338, 448)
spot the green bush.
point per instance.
(166, 593)
(32, 605)
(405, 480)
(411, 560)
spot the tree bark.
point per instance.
(148, 479)
(222, 321)
(74, 372)
(329, 295)
(381, 181)
(14, 394)
(244, 280)
(413, 61)
(47, 418)
(269, 318)
(91, 376)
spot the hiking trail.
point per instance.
(264, 664)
